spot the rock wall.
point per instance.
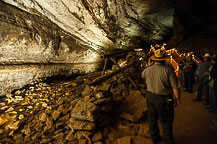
(106, 23)
(17, 76)
(31, 38)
(31, 47)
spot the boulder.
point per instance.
(80, 125)
(124, 140)
(134, 106)
(85, 111)
(97, 136)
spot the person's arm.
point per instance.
(177, 93)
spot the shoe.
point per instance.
(196, 100)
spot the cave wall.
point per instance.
(195, 26)
(106, 23)
(29, 38)
(32, 47)
(58, 37)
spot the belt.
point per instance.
(165, 96)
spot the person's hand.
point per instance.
(176, 102)
(196, 79)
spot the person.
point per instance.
(161, 83)
(180, 72)
(189, 70)
(212, 86)
(203, 78)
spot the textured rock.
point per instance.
(97, 136)
(85, 111)
(16, 76)
(134, 106)
(105, 23)
(124, 140)
(81, 125)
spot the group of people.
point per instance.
(204, 74)
(164, 89)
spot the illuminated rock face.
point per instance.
(106, 23)
(73, 32)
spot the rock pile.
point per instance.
(75, 112)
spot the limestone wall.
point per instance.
(17, 76)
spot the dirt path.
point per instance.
(193, 123)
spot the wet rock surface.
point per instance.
(72, 111)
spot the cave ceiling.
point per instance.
(103, 24)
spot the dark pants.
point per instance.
(202, 83)
(159, 107)
(189, 81)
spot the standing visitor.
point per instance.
(203, 78)
(162, 83)
(189, 70)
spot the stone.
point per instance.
(45, 140)
(60, 101)
(85, 111)
(102, 100)
(82, 141)
(98, 143)
(124, 140)
(83, 134)
(59, 136)
(126, 130)
(135, 105)
(26, 131)
(97, 136)
(144, 129)
(70, 136)
(3, 121)
(74, 84)
(112, 136)
(81, 125)
(103, 86)
(14, 125)
(140, 140)
(127, 116)
(86, 91)
(55, 115)
(49, 124)
(43, 117)
(21, 117)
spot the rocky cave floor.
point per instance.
(71, 111)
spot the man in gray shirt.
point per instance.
(161, 83)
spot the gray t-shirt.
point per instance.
(160, 79)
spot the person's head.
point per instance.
(213, 60)
(182, 57)
(160, 56)
(206, 57)
(188, 58)
(214, 56)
